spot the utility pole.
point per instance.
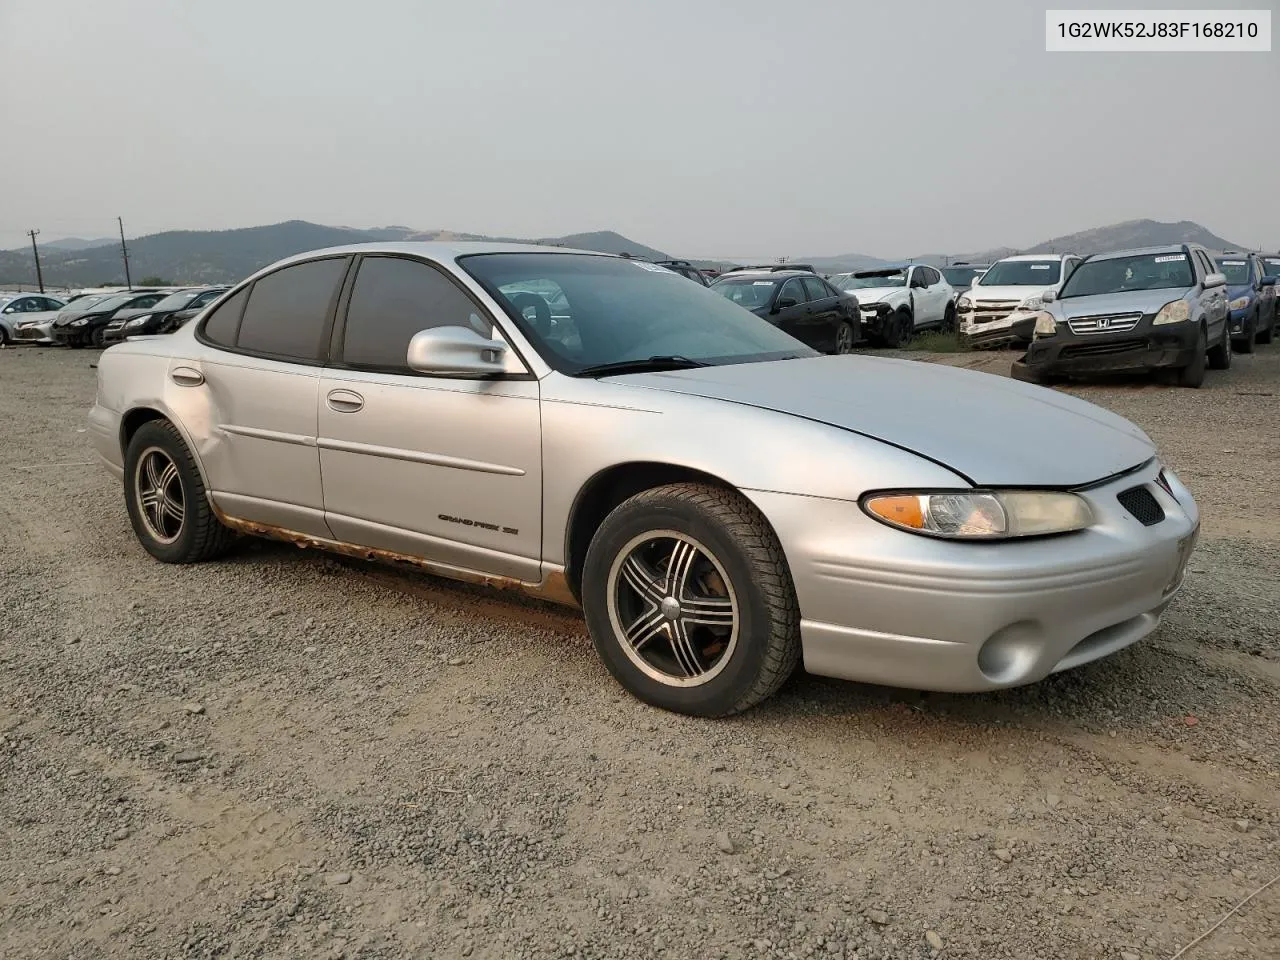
(125, 251)
(36, 253)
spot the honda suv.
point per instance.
(1155, 308)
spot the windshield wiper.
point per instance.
(667, 362)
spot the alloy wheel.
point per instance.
(158, 489)
(673, 608)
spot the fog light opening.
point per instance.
(1010, 654)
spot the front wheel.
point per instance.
(689, 600)
(1250, 335)
(949, 319)
(166, 498)
(1192, 375)
(899, 330)
(99, 337)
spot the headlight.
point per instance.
(1239, 303)
(138, 321)
(1032, 304)
(964, 303)
(79, 323)
(1176, 312)
(1046, 325)
(981, 515)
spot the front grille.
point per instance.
(1102, 349)
(26, 334)
(1104, 323)
(986, 311)
(1140, 502)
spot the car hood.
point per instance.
(875, 294)
(1134, 301)
(992, 430)
(1240, 290)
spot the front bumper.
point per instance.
(1015, 328)
(875, 322)
(1145, 347)
(1237, 321)
(884, 606)
(36, 333)
(115, 332)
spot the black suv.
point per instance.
(798, 301)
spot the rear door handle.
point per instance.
(186, 376)
(345, 401)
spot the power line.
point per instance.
(35, 252)
(125, 251)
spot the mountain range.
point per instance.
(222, 256)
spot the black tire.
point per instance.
(1267, 335)
(4, 337)
(1249, 337)
(200, 536)
(846, 337)
(949, 319)
(751, 663)
(1192, 375)
(98, 337)
(1220, 353)
(899, 330)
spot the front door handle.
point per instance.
(345, 401)
(186, 376)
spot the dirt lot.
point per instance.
(289, 755)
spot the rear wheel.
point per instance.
(166, 498)
(1192, 375)
(690, 602)
(844, 337)
(1265, 336)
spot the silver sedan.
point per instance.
(722, 501)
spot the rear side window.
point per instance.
(394, 298)
(793, 289)
(287, 310)
(223, 323)
(815, 288)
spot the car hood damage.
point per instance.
(992, 430)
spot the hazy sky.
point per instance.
(702, 127)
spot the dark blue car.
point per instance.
(1251, 289)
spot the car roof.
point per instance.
(439, 250)
(1037, 256)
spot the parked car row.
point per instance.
(96, 319)
(1176, 310)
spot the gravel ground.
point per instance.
(290, 755)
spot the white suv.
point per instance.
(1004, 300)
(898, 299)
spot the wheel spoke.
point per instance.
(171, 508)
(708, 611)
(684, 650)
(645, 627)
(640, 579)
(168, 475)
(153, 475)
(679, 568)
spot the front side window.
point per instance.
(394, 298)
(793, 289)
(618, 310)
(287, 310)
(1023, 273)
(1150, 271)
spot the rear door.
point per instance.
(260, 380)
(824, 314)
(440, 467)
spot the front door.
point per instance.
(443, 468)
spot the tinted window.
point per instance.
(815, 288)
(287, 310)
(395, 298)
(52, 304)
(223, 322)
(794, 290)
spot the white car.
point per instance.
(899, 299)
(1000, 307)
(22, 309)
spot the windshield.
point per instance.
(1236, 271)
(961, 277)
(581, 310)
(746, 292)
(1022, 273)
(1148, 271)
(176, 301)
(865, 281)
(85, 303)
(107, 303)
(1271, 266)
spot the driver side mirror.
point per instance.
(1269, 281)
(9, 309)
(455, 351)
(1049, 296)
(1215, 280)
(784, 303)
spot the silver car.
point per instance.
(721, 500)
